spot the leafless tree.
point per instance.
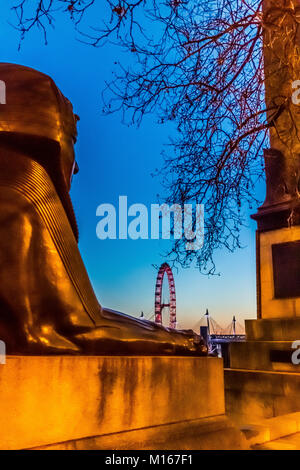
(199, 65)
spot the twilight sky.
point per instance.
(118, 160)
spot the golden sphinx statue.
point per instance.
(47, 304)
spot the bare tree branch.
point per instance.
(199, 65)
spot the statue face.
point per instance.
(34, 106)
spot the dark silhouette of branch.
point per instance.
(199, 65)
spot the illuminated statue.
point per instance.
(47, 304)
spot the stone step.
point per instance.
(266, 430)
(263, 355)
(261, 394)
(273, 329)
(214, 433)
(291, 442)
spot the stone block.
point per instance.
(261, 394)
(47, 400)
(273, 329)
(263, 355)
(272, 307)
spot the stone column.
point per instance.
(259, 383)
(278, 219)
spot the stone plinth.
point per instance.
(276, 329)
(253, 395)
(262, 381)
(112, 402)
(276, 275)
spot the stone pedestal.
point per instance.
(262, 382)
(278, 268)
(69, 402)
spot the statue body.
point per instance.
(47, 303)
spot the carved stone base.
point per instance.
(96, 402)
(263, 382)
(278, 269)
(252, 395)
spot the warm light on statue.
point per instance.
(48, 305)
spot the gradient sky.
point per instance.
(118, 160)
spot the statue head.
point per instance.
(32, 107)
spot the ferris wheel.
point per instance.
(159, 304)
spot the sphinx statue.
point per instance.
(47, 303)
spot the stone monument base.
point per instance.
(101, 402)
(278, 264)
(262, 381)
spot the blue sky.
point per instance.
(118, 160)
